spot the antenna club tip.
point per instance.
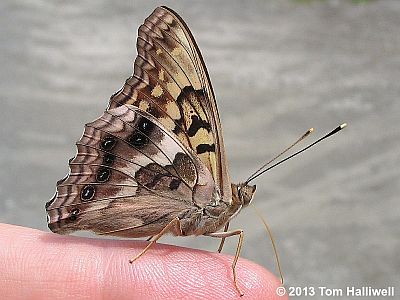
(308, 132)
(343, 125)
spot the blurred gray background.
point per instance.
(278, 68)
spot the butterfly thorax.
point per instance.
(209, 218)
(218, 212)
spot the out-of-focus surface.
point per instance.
(278, 68)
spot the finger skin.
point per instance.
(39, 265)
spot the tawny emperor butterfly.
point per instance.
(154, 162)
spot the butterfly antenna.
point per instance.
(336, 130)
(278, 264)
(280, 154)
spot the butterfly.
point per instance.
(154, 162)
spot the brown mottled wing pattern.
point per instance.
(170, 81)
(130, 178)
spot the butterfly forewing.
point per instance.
(170, 81)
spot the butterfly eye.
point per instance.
(240, 193)
(74, 214)
(108, 143)
(103, 174)
(87, 192)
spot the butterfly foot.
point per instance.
(132, 260)
(241, 294)
(236, 285)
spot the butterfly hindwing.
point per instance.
(130, 177)
(170, 81)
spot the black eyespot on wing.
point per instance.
(145, 126)
(108, 143)
(103, 174)
(87, 192)
(74, 214)
(202, 148)
(138, 139)
(108, 159)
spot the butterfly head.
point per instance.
(243, 193)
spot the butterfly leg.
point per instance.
(224, 235)
(221, 245)
(175, 222)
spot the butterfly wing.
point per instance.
(170, 81)
(130, 178)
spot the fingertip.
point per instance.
(197, 274)
(49, 266)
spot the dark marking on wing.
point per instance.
(74, 214)
(108, 143)
(150, 175)
(138, 139)
(184, 166)
(108, 159)
(174, 184)
(48, 203)
(103, 174)
(87, 192)
(196, 125)
(203, 148)
(155, 180)
(145, 126)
